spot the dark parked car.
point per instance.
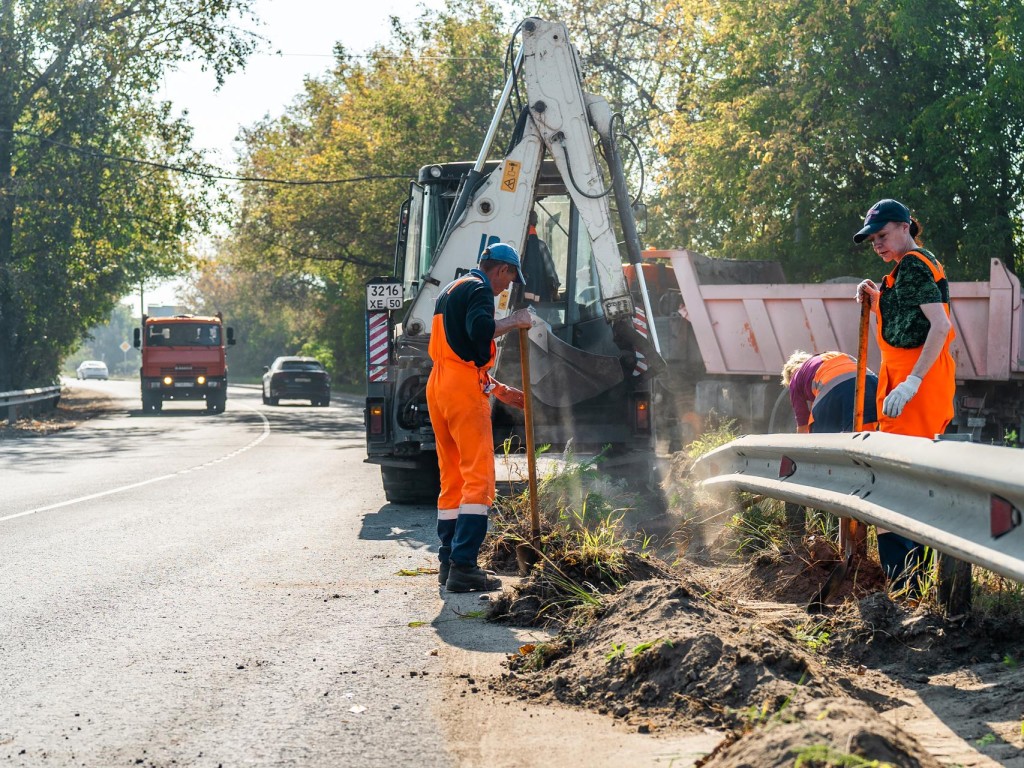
(296, 378)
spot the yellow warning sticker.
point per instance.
(503, 298)
(510, 178)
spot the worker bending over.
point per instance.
(822, 389)
(462, 349)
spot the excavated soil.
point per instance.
(733, 648)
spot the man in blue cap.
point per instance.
(462, 349)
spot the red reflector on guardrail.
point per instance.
(1004, 517)
(786, 467)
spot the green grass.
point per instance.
(825, 756)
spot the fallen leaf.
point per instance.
(526, 650)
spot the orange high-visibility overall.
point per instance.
(460, 413)
(931, 409)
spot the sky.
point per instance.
(300, 39)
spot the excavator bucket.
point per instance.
(562, 375)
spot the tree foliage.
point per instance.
(103, 342)
(88, 206)
(425, 95)
(770, 127)
(767, 129)
(799, 114)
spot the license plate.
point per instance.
(184, 384)
(303, 379)
(384, 296)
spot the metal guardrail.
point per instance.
(962, 499)
(28, 401)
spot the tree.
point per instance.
(801, 113)
(273, 314)
(88, 204)
(103, 342)
(425, 96)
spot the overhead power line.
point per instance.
(213, 175)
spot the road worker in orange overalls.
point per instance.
(462, 349)
(822, 390)
(917, 378)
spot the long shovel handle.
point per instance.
(851, 532)
(862, 366)
(531, 454)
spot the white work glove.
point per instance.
(897, 400)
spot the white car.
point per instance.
(93, 369)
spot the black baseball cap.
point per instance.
(882, 213)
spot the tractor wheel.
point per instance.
(412, 485)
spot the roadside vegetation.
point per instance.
(695, 616)
(743, 154)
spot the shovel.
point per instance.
(851, 532)
(528, 553)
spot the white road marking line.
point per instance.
(263, 436)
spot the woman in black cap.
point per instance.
(917, 378)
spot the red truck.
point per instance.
(726, 327)
(183, 358)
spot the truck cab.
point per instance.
(183, 358)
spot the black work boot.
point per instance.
(444, 555)
(471, 578)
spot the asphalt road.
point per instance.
(197, 590)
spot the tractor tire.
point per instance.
(419, 485)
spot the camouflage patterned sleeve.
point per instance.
(915, 283)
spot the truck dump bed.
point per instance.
(751, 328)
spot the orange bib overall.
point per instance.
(460, 413)
(931, 409)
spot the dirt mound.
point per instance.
(674, 653)
(547, 596)
(826, 732)
(796, 576)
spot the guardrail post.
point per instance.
(12, 413)
(953, 588)
(796, 519)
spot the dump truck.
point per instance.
(726, 328)
(183, 358)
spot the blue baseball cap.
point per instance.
(882, 213)
(506, 253)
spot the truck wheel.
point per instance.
(405, 485)
(273, 400)
(216, 403)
